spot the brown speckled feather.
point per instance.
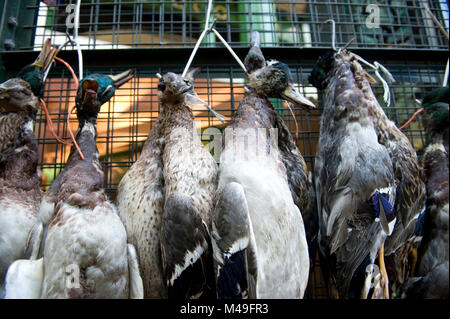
(20, 192)
(173, 162)
(11, 126)
(140, 201)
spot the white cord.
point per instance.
(444, 83)
(205, 30)
(75, 38)
(377, 67)
(229, 49)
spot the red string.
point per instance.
(75, 79)
(50, 124)
(412, 118)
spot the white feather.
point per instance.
(189, 259)
(93, 241)
(28, 126)
(136, 285)
(24, 279)
(277, 225)
(46, 210)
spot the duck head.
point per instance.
(319, 73)
(175, 89)
(35, 73)
(435, 110)
(16, 95)
(272, 79)
(325, 63)
(95, 90)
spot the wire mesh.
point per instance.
(122, 24)
(126, 120)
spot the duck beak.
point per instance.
(46, 56)
(291, 94)
(123, 77)
(90, 89)
(186, 88)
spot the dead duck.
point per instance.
(20, 192)
(84, 246)
(166, 199)
(367, 177)
(258, 236)
(431, 273)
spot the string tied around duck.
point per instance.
(47, 115)
(194, 99)
(376, 66)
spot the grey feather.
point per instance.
(182, 231)
(232, 226)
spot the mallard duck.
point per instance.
(84, 245)
(36, 72)
(258, 236)
(431, 275)
(367, 177)
(166, 199)
(20, 193)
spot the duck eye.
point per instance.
(161, 86)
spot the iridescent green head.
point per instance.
(435, 110)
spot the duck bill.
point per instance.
(89, 89)
(123, 77)
(46, 57)
(291, 94)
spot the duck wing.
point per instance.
(234, 245)
(185, 250)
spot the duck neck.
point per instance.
(440, 138)
(86, 140)
(19, 152)
(15, 129)
(176, 115)
(254, 111)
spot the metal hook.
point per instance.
(333, 33)
(205, 31)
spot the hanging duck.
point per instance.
(432, 270)
(20, 193)
(258, 236)
(166, 199)
(367, 177)
(84, 244)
